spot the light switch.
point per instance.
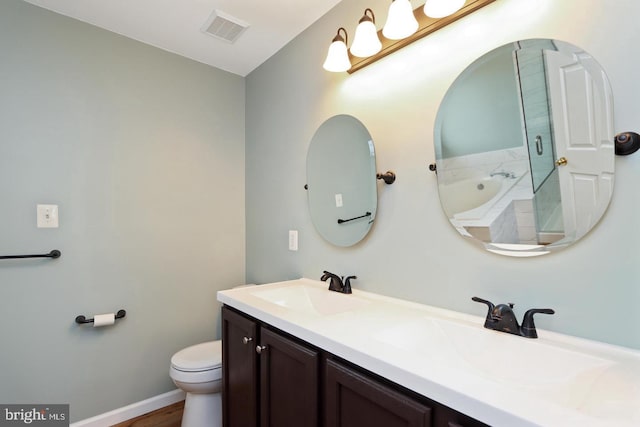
(47, 216)
(338, 200)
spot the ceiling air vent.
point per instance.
(224, 27)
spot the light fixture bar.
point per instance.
(427, 26)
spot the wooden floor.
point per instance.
(169, 416)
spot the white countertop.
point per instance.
(495, 377)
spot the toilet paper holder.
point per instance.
(82, 319)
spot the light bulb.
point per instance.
(400, 22)
(366, 41)
(337, 56)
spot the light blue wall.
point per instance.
(412, 251)
(467, 126)
(143, 151)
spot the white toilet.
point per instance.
(197, 370)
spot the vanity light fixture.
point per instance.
(366, 41)
(442, 8)
(401, 22)
(338, 57)
(401, 29)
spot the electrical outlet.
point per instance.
(293, 240)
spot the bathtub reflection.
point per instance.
(472, 198)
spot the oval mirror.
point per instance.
(524, 147)
(341, 180)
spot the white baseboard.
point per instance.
(131, 411)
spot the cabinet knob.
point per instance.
(246, 340)
(260, 348)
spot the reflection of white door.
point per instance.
(581, 103)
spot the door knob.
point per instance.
(260, 348)
(246, 340)
(561, 161)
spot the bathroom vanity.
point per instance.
(282, 379)
(295, 353)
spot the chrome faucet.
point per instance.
(502, 318)
(336, 284)
(503, 173)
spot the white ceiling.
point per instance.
(175, 25)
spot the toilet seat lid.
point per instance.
(199, 357)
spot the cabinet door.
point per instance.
(239, 370)
(355, 400)
(288, 382)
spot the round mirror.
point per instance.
(341, 180)
(524, 147)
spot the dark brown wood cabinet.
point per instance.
(447, 417)
(288, 382)
(239, 370)
(267, 377)
(355, 400)
(271, 379)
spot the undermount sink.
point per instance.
(311, 299)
